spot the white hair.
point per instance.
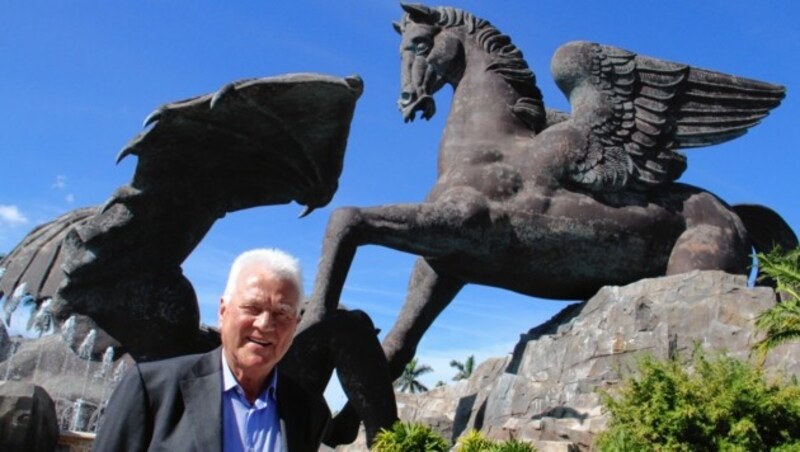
(285, 266)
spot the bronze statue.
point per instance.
(254, 142)
(548, 204)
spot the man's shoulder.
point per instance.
(178, 367)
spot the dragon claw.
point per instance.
(126, 151)
(306, 211)
(152, 117)
(220, 94)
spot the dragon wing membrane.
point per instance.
(636, 112)
(253, 142)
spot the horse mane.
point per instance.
(508, 62)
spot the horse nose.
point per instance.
(405, 99)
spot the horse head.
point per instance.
(431, 54)
(435, 50)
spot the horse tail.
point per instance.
(766, 229)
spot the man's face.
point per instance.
(258, 322)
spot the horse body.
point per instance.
(511, 224)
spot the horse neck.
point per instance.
(480, 112)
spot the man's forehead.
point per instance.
(253, 281)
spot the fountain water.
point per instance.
(8, 375)
(42, 322)
(20, 294)
(79, 417)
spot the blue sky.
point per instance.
(78, 78)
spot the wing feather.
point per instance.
(637, 112)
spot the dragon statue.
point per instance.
(252, 143)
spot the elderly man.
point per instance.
(234, 398)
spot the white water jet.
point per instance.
(68, 335)
(85, 352)
(77, 424)
(10, 361)
(43, 323)
(68, 330)
(20, 293)
(108, 362)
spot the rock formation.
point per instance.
(546, 391)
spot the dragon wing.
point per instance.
(266, 141)
(635, 112)
(254, 142)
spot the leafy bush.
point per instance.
(781, 323)
(474, 441)
(513, 445)
(406, 437)
(725, 405)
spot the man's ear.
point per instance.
(221, 306)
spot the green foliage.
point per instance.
(464, 369)
(724, 405)
(782, 322)
(475, 441)
(408, 381)
(406, 437)
(513, 445)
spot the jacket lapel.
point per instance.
(290, 426)
(202, 397)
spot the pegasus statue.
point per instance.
(544, 203)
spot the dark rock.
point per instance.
(27, 418)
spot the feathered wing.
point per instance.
(635, 112)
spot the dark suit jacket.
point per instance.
(176, 405)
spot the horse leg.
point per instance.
(429, 292)
(429, 229)
(346, 341)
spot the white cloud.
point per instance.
(60, 182)
(11, 215)
(70, 198)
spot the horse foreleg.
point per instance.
(429, 292)
(427, 229)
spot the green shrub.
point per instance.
(781, 323)
(725, 404)
(513, 445)
(407, 437)
(474, 441)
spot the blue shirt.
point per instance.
(249, 427)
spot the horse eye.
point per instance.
(422, 47)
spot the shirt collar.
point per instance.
(229, 382)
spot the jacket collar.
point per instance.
(202, 397)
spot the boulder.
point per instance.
(27, 418)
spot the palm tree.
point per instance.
(780, 323)
(464, 369)
(408, 380)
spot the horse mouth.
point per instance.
(424, 104)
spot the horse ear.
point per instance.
(397, 27)
(419, 13)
